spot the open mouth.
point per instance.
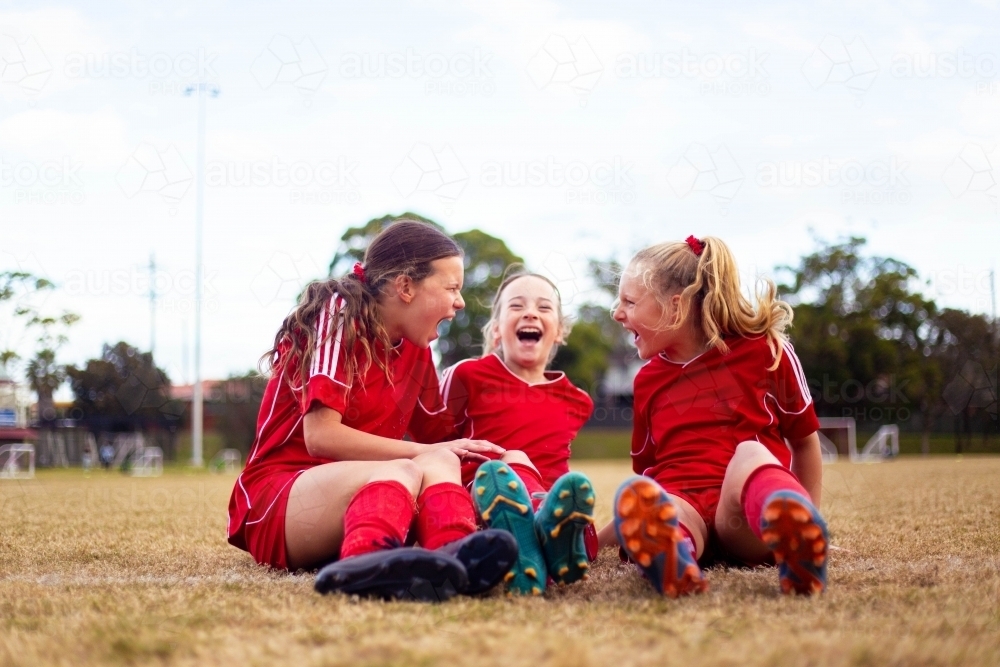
(532, 334)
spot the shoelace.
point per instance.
(387, 542)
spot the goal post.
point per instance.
(17, 461)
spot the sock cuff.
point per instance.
(381, 492)
(442, 494)
(756, 473)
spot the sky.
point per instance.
(572, 130)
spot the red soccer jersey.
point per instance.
(689, 417)
(488, 402)
(410, 404)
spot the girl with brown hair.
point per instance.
(329, 476)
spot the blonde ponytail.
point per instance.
(709, 287)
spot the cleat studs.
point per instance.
(512, 485)
(530, 571)
(816, 587)
(503, 471)
(786, 586)
(555, 532)
(585, 577)
(535, 590)
(480, 490)
(626, 505)
(583, 565)
(769, 536)
(564, 494)
(648, 491)
(563, 570)
(508, 576)
(819, 560)
(779, 557)
(585, 487)
(480, 474)
(633, 545)
(590, 500)
(630, 526)
(800, 514)
(644, 559)
(667, 512)
(819, 546)
(651, 530)
(793, 544)
(811, 532)
(772, 514)
(558, 511)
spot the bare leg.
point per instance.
(437, 466)
(519, 457)
(314, 518)
(730, 521)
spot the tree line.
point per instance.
(874, 347)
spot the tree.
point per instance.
(43, 373)
(123, 390)
(864, 334)
(486, 257)
(236, 414)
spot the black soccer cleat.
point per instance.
(487, 556)
(407, 573)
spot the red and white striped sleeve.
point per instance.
(327, 383)
(790, 387)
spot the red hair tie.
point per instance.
(359, 272)
(697, 246)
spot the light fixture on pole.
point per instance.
(197, 404)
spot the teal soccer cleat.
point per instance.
(502, 501)
(565, 513)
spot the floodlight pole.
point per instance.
(197, 403)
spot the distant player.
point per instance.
(329, 476)
(721, 392)
(508, 397)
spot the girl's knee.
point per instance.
(437, 459)
(404, 471)
(515, 456)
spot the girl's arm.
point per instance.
(807, 464)
(327, 437)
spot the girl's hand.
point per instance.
(473, 450)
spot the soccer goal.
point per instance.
(148, 462)
(838, 437)
(227, 460)
(17, 461)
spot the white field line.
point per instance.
(151, 580)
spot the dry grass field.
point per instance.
(107, 569)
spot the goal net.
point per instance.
(17, 461)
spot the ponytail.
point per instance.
(405, 247)
(709, 286)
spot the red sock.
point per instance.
(590, 542)
(532, 482)
(761, 483)
(689, 538)
(378, 517)
(445, 514)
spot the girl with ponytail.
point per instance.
(720, 395)
(329, 476)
